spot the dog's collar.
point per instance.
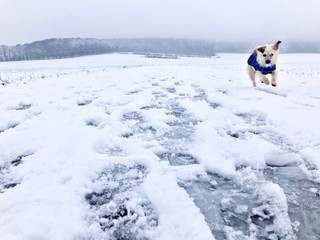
(252, 61)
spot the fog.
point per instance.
(24, 21)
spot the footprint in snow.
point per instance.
(6, 180)
(23, 107)
(121, 209)
(84, 102)
(9, 126)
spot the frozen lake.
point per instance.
(125, 147)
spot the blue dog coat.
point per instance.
(252, 61)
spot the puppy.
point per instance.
(262, 62)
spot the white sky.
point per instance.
(231, 20)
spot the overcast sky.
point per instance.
(24, 21)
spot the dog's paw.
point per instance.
(273, 84)
(266, 82)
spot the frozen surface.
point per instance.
(125, 147)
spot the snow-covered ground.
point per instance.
(126, 147)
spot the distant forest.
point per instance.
(73, 47)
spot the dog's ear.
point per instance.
(261, 49)
(276, 45)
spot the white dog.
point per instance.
(263, 61)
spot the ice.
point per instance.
(303, 205)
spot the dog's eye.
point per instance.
(271, 54)
(264, 55)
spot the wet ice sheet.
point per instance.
(303, 199)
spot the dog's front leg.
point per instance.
(252, 74)
(263, 78)
(274, 78)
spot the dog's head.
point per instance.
(267, 55)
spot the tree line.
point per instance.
(73, 47)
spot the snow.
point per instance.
(119, 145)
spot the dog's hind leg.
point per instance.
(263, 78)
(252, 74)
(274, 78)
